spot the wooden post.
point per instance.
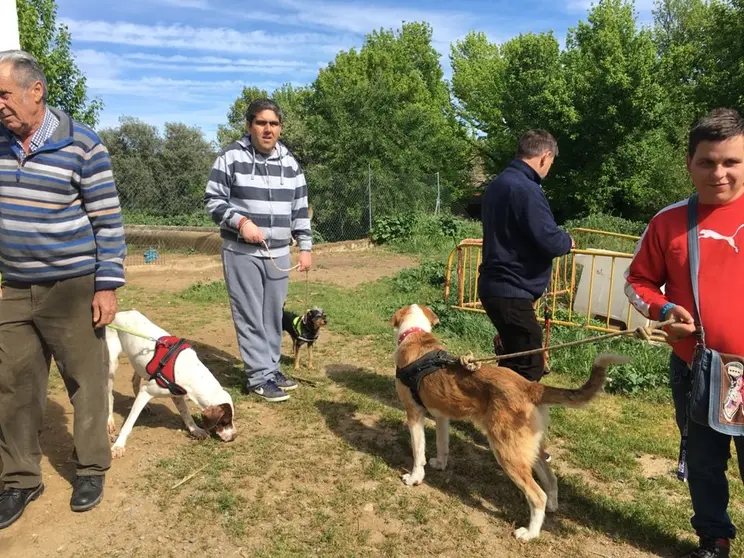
(9, 37)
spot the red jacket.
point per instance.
(661, 260)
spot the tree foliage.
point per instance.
(50, 44)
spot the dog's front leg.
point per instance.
(142, 399)
(440, 461)
(310, 356)
(188, 420)
(418, 444)
(296, 356)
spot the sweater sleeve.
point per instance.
(647, 274)
(301, 216)
(217, 195)
(102, 205)
(537, 221)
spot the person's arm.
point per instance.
(101, 202)
(300, 225)
(537, 221)
(217, 196)
(646, 275)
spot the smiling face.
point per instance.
(717, 170)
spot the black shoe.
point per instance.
(13, 501)
(87, 492)
(711, 548)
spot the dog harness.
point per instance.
(297, 325)
(161, 367)
(412, 374)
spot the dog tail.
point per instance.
(577, 397)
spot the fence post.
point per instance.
(369, 193)
(437, 208)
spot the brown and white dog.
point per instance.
(200, 385)
(511, 411)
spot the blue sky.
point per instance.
(187, 60)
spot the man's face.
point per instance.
(19, 107)
(717, 170)
(265, 130)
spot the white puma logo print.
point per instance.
(708, 233)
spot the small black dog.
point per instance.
(304, 330)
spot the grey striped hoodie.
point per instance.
(269, 190)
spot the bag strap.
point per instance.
(693, 251)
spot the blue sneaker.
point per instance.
(269, 391)
(284, 383)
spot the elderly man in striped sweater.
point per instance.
(258, 196)
(61, 259)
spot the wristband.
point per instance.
(243, 221)
(668, 306)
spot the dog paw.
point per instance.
(523, 534)
(413, 479)
(200, 434)
(117, 451)
(438, 464)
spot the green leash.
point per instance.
(130, 332)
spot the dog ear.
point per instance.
(398, 316)
(227, 415)
(430, 315)
(212, 415)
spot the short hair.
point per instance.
(260, 105)
(718, 125)
(535, 142)
(26, 69)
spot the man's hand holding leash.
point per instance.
(684, 326)
(250, 232)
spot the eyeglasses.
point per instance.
(272, 123)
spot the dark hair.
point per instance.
(535, 142)
(259, 105)
(718, 125)
(26, 69)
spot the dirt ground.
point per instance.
(127, 522)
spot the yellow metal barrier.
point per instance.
(568, 278)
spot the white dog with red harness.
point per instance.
(169, 368)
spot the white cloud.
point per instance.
(107, 64)
(185, 37)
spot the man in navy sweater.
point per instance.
(520, 241)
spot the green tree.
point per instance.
(162, 176)
(50, 44)
(386, 108)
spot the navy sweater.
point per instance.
(520, 236)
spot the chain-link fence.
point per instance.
(169, 221)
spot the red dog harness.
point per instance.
(161, 367)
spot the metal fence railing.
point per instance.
(585, 289)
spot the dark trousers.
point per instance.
(37, 322)
(517, 324)
(708, 454)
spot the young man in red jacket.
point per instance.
(715, 160)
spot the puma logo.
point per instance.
(707, 233)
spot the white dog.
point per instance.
(190, 374)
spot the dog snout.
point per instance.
(227, 434)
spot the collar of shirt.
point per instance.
(45, 131)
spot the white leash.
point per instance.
(276, 266)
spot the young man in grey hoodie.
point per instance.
(258, 196)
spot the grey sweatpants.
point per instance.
(257, 291)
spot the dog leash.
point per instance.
(643, 333)
(130, 332)
(274, 262)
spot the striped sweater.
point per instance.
(269, 190)
(59, 209)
